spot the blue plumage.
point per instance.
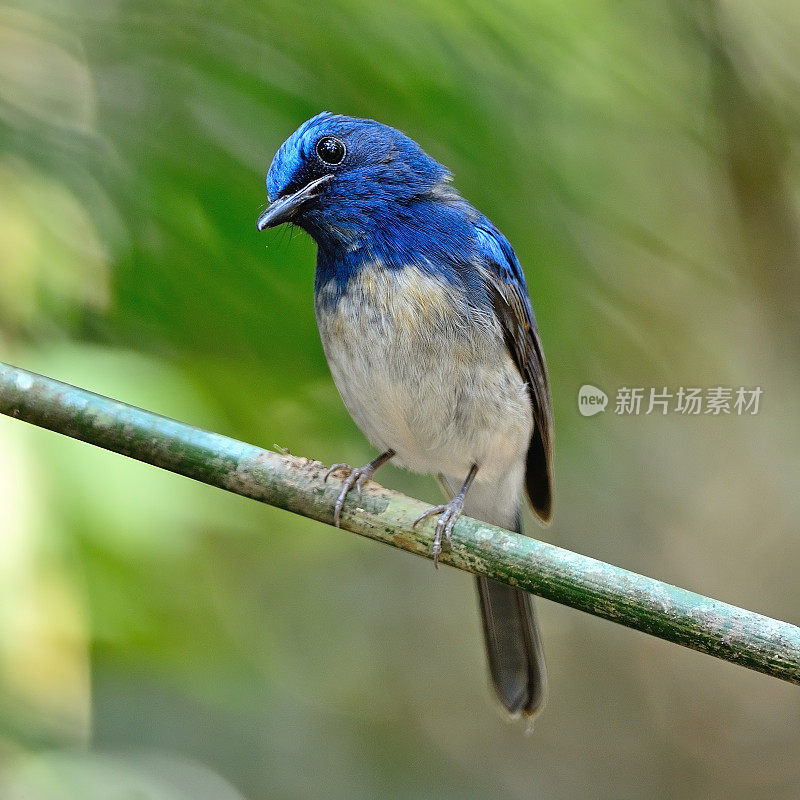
(428, 329)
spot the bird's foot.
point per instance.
(450, 512)
(356, 477)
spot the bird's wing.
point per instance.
(505, 285)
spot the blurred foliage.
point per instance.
(170, 641)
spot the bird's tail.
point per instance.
(513, 640)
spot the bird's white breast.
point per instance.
(423, 373)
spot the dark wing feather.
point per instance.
(505, 286)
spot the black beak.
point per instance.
(284, 207)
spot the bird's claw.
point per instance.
(356, 477)
(335, 468)
(450, 512)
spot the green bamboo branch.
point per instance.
(295, 484)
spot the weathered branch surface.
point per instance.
(295, 484)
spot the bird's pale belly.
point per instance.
(423, 374)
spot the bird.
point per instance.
(430, 336)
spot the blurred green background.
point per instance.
(161, 639)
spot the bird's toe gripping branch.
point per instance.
(357, 477)
(450, 512)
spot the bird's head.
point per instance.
(340, 177)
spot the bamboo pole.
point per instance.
(295, 484)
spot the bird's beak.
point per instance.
(284, 207)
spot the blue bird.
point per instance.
(430, 336)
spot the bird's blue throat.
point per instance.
(431, 234)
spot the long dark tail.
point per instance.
(513, 640)
(513, 647)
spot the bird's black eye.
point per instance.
(331, 150)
